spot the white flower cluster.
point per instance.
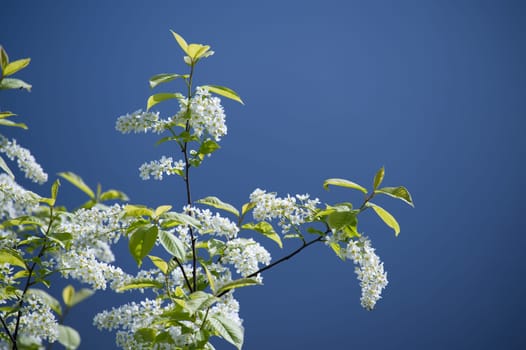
(14, 199)
(128, 318)
(227, 307)
(206, 114)
(93, 231)
(287, 210)
(140, 121)
(37, 321)
(157, 168)
(25, 160)
(245, 254)
(213, 224)
(370, 271)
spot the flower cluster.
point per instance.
(37, 322)
(14, 199)
(288, 210)
(25, 160)
(245, 254)
(206, 114)
(213, 223)
(370, 271)
(93, 231)
(140, 122)
(157, 168)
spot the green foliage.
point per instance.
(265, 229)
(142, 241)
(386, 217)
(68, 337)
(343, 183)
(397, 192)
(219, 204)
(228, 330)
(173, 245)
(224, 91)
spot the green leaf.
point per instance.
(343, 183)
(77, 181)
(219, 204)
(210, 277)
(5, 168)
(228, 330)
(160, 210)
(160, 263)
(63, 239)
(199, 301)
(399, 192)
(67, 295)
(247, 207)
(173, 245)
(265, 229)
(81, 295)
(4, 58)
(6, 114)
(164, 78)
(183, 219)
(145, 335)
(47, 299)
(11, 83)
(378, 178)
(137, 211)
(224, 91)
(142, 241)
(12, 257)
(242, 282)
(68, 337)
(15, 66)
(339, 219)
(386, 217)
(338, 250)
(158, 98)
(7, 122)
(54, 189)
(208, 146)
(182, 43)
(140, 284)
(113, 195)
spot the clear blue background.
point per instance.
(435, 91)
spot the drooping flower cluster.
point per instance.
(213, 223)
(206, 114)
(25, 160)
(246, 255)
(93, 231)
(140, 122)
(370, 271)
(14, 199)
(158, 168)
(37, 321)
(288, 210)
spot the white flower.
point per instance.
(206, 114)
(157, 168)
(213, 223)
(140, 121)
(25, 160)
(15, 200)
(370, 271)
(287, 210)
(245, 254)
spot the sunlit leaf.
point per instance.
(182, 43)
(397, 192)
(140, 284)
(343, 183)
(164, 78)
(265, 229)
(224, 91)
(242, 282)
(229, 330)
(11, 257)
(158, 98)
(68, 337)
(172, 244)
(378, 178)
(386, 217)
(10, 123)
(67, 295)
(159, 263)
(219, 204)
(11, 83)
(77, 181)
(5, 168)
(15, 66)
(161, 210)
(110, 195)
(142, 241)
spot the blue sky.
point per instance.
(435, 91)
